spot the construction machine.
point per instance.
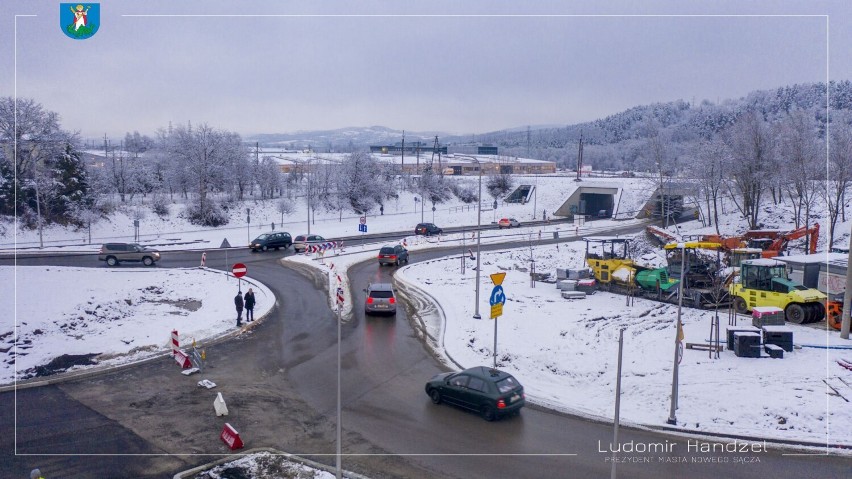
(764, 282)
(612, 266)
(701, 264)
(774, 243)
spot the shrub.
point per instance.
(160, 206)
(211, 215)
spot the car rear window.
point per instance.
(300, 238)
(386, 250)
(507, 384)
(381, 294)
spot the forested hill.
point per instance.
(682, 122)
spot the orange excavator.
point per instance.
(774, 243)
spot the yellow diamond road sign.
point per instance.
(497, 278)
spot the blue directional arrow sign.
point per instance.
(497, 296)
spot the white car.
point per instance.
(508, 223)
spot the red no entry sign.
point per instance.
(239, 270)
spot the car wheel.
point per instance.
(487, 413)
(396, 263)
(436, 396)
(740, 305)
(264, 248)
(147, 261)
(111, 261)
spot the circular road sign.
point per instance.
(239, 270)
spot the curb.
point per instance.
(290, 457)
(97, 371)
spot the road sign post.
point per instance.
(497, 300)
(239, 270)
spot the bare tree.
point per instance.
(750, 142)
(799, 151)
(839, 170)
(706, 168)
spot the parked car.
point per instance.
(303, 241)
(508, 223)
(115, 253)
(380, 299)
(271, 240)
(603, 214)
(393, 255)
(490, 392)
(427, 229)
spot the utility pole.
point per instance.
(847, 297)
(580, 156)
(678, 338)
(402, 167)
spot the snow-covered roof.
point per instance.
(837, 259)
(763, 262)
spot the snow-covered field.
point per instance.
(111, 316)
(563, 351)
(174, 232)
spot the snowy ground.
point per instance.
(116, 316)
(263, 465)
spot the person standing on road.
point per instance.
(249, 305)
(238, 302)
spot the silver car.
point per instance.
(301, 243)
(380, 299)
(115, 253)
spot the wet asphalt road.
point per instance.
(279, 379)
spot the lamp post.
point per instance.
(678, 338)
(478, 236)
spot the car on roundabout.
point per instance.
(274, 239)
(116, 253)
(380, 299)
(508, 223)
(427, 229)
(301, 243)
(490, 392)
(393, 255)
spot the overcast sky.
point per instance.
(437, 65)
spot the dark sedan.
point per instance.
(490, 392)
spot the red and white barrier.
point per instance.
(231, 437)
(180, 357)
(175, 341)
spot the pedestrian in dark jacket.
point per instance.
(238, 302)
(249, 305)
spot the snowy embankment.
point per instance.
(565, 353)
(71, 316)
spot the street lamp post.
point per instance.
(678, 338)
(478, 237)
